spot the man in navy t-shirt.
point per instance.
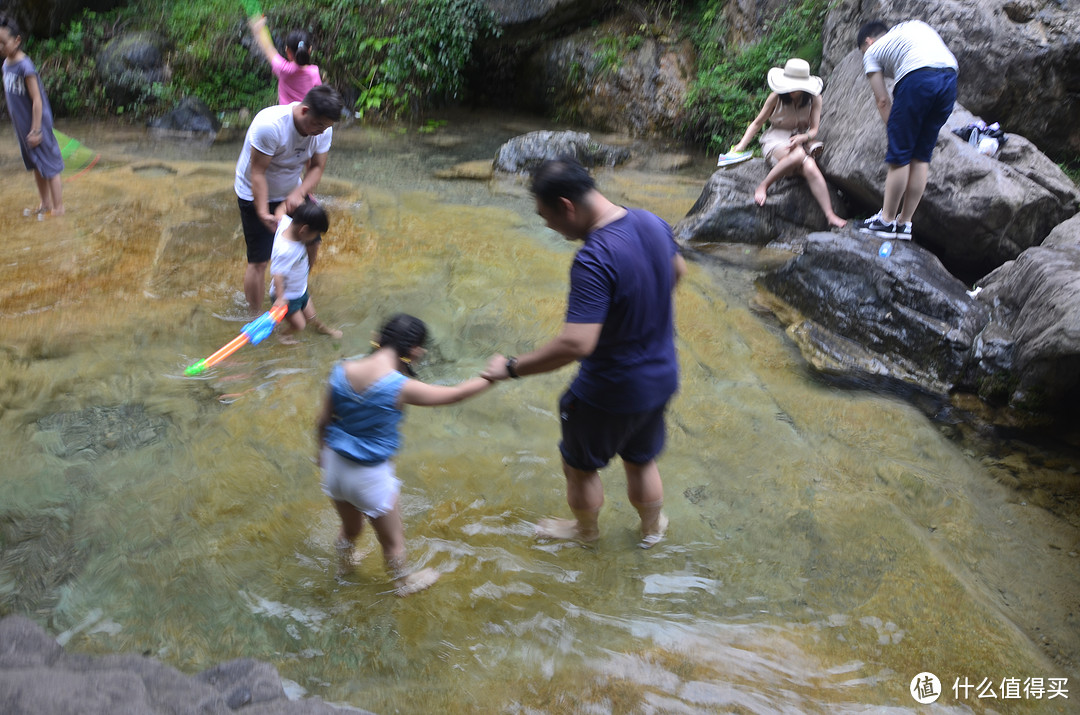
(620, 325)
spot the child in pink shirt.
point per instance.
(295, 73)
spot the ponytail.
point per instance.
(300, 43)
(403, 332)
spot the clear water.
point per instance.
(825, 546)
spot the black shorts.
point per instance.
(591, 436)
(258, 237)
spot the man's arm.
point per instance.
(679, 264)
(881, 94)
(577, 340)
(260, 190)
(312, 175)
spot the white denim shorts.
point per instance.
(372, 490)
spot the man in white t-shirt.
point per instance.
(915, 56)
(282, 161)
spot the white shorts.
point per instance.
(372, 490)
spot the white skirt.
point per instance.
(372, 490)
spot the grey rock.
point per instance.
(524, 153)
(1035, 363)
(725, 211)
(190, 118)
(130, 65)
(37, 678)
(903, 316)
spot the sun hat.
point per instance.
(794, 77)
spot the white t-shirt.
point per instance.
(908, 46)
(289, 259)
(273, 132)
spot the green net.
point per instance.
(252, 7)
(78, 159)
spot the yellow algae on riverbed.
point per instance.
(826, 545)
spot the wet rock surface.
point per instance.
(524, 153)
(726, 211)
(90, 433)
(37, 676)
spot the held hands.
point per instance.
(496, 369)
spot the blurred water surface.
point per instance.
(826, 545)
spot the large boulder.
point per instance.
(1034, 362)
(528, 18)
(1019, 59)
(599, 78)
(526, 152)
(726, 212)
(857, 312)
(190, 119)
(36, 676)
(130, 65)
(977, 212)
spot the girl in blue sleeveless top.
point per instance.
(358, 437)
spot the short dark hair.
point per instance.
(12, 26)
(325, 101)
(313, 215)
(562, 178)
(403, 332)
(874, 29)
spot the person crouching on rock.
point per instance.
(793, 111)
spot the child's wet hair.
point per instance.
(12, 26)
(299, 41)
(403, 332)
(311, 214)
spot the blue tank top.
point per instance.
(364, 425)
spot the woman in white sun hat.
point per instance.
(789, 145)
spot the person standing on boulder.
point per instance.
(620, 324)
(283, 159)
(925, 70)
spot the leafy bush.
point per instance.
(386, 56)
(730, 86)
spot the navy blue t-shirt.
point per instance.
(623, 277)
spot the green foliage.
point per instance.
(730, 87)
(608, 56)
(431, 49)
(391, 56)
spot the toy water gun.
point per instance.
(254, 332)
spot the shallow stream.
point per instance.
(826, 544)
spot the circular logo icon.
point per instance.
(925, 688)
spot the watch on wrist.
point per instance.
(511, 367)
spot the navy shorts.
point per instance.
(298, 303)
(922, 103)
(591, 436)
(257, 235)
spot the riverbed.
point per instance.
(827, 543)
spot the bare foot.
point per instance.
(416, 581)
(835, 221)
(650, 540)
(759, 195)
(566, 529)
(325, 329)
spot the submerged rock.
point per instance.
(37, 676)
(89, 433)
(190, 119)
(526, 152)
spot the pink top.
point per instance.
(294, 80)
